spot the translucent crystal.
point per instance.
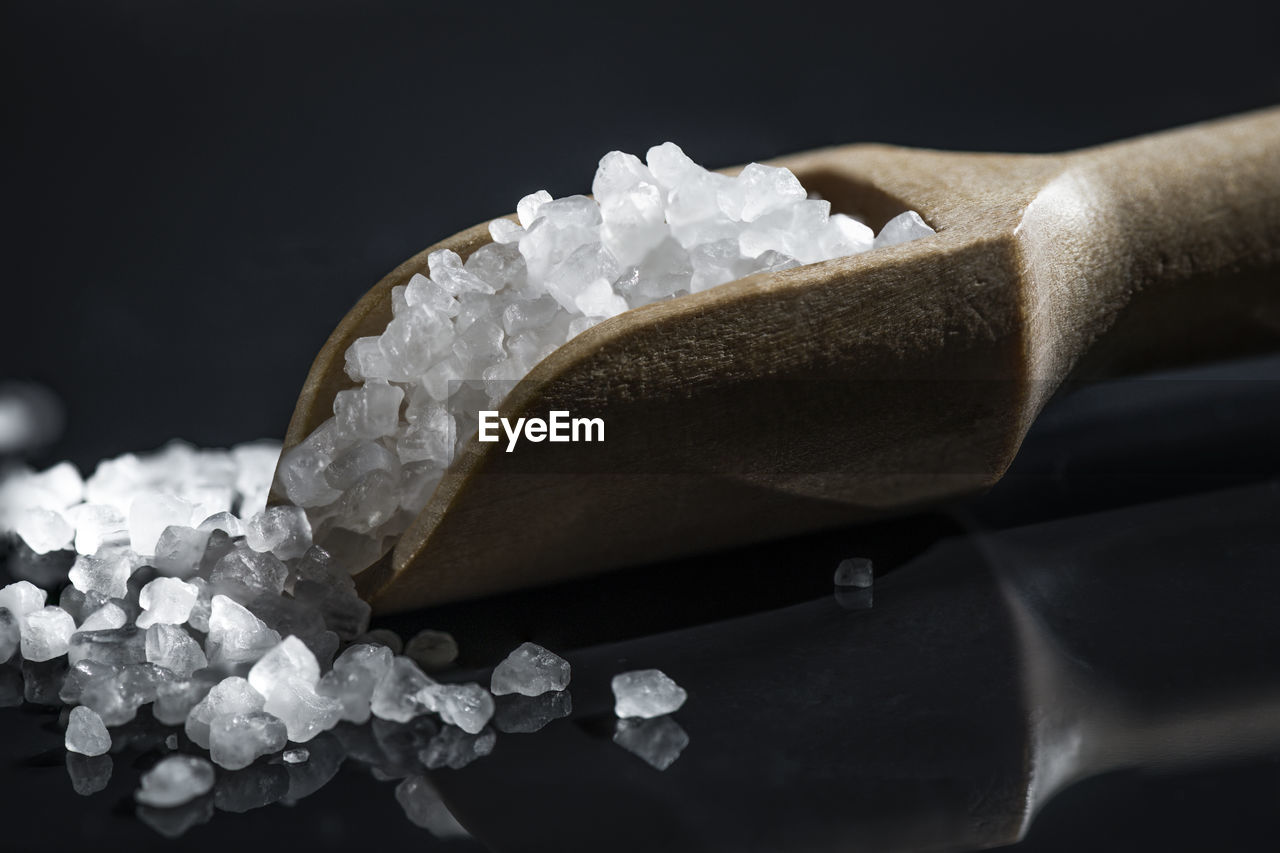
(527, 208)
(227, 698)
(237, 740)
(282, 530)
(106, 572)
(902, 228)
(47, 633)
(97, 525)
(370, 411)
(119, 646)
(658, 741)
(646, 693)
(166, 600)
(150, 513)
(171, 647)
(530, 670)
(44, 530)
(175, 699)
(21, 598)
(296, 756)
(86, 733)
(467, 706)
(397, 695)
(355, 674)
(235, 634)
(175, 780)
(107, 617)
(117, 698)
(179, 549)
(224, 521)
(260, 573)
(854, 572)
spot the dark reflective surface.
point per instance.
(1014, 661)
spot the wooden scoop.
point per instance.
(865, 385)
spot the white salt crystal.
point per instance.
(355, 674)
(175, 699)
(224, 521)
(97, 525)
(505, 231)
(599, 300)
(448, 271)
(370, 411)
(903, 228)
(527, 208)
(229, 697)
(21, 598)
(357, 462)
(290, 658)
(86, 733)
(304, 712)
(296, 756)
(171, 647)
(530, 670)
(467, 706)
(179, 549)
(235, 634)
(258, 572)
(106, 572)
(43, 530)
(150, 513)
(282, 530)
(646, 693)
(176, 779)
(47, 633)
(107, 617)
(237, 740)
(166, 600)
(854, 572)
(302, 468)
(397, 694)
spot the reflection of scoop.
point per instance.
(809, 397)
(991, 673)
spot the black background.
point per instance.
(197, 192)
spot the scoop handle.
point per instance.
(1189, 239)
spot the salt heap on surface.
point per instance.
(530, 670)
(462, 335)
(646, 693)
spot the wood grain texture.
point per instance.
(855, 387)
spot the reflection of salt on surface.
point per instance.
(658, 741)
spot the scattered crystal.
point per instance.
(296, 756)
(854, 572)
(105, 572)
(47, 633)
(179, 550)
(467, 706)
(646, 693)
(21, 598)
(237, 740)
(530, 670)
(235, 634)
(86, 733)
(228, 698)
(287, 677)
(175, 780)
(353, 678)
(658, 741)
(397, 694)
(44, 530)
(282, 530)
(166, 601)
(106, 618)
(171, 647)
